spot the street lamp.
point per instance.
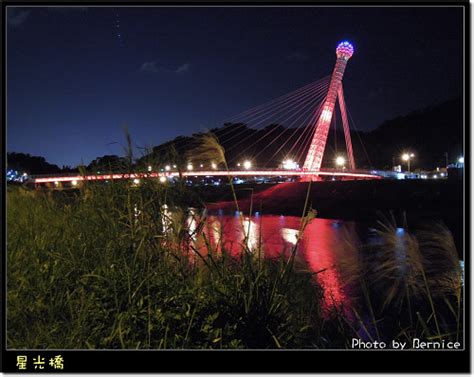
(190, 167)
(407, 157)
(461, 160)
(214, 165)
(289, 164)
(340, 161)
(247, 164)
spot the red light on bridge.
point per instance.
(263, 173)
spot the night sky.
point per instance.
(76, 76)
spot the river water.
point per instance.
(323, 248)
(331, 249)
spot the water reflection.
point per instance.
(290, 235)
(324, 244)
(339, 253)
(250, 233)
(328, 247)
(166, 221)
(192, 224)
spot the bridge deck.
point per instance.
(210, 173)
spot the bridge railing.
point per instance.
(256, 169)
(231, 171)
(354, 171)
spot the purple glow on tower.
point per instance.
(344, 50)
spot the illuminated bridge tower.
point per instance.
(316, 150)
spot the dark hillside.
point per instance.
(429, 133)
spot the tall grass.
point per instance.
(112, 268)
(410, 283)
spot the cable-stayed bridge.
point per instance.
(293, 128)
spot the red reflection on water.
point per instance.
(322, 245)
(325, 245)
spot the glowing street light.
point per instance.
(290, 165)
(74, 182)
(190, 167)
(149, 168)
(136, 181)
(407, 157)
(174, 166)
(214, 165)
(340, 161)
(167, 168)
(461, 160)
(247, 164)
(162, 179)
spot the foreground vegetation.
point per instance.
(116, 265)
(93, 272)
(111, 268)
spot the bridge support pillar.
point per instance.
(315, 154)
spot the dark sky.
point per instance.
(73, 82)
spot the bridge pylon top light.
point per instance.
(344, 50)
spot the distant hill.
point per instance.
(30, 164)
(429, 133)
